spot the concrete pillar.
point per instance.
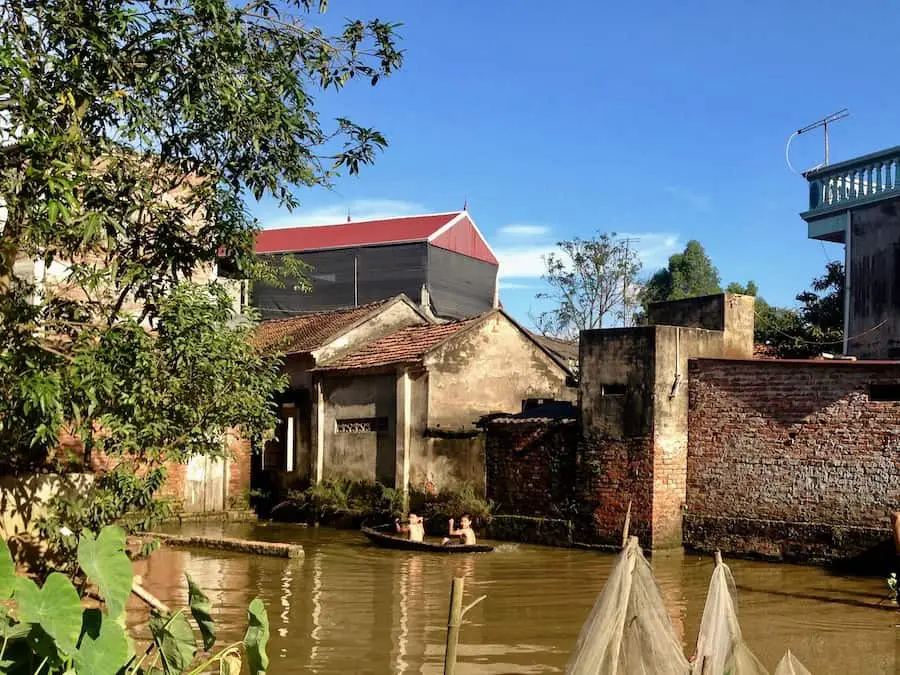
(318, 431)
(403, 433)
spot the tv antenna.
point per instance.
(824, 122)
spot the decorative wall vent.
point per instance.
(361, 425)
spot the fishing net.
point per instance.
(628, 631)
(789, 665)
(720, 646)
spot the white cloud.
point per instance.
(522, 262)
(518, 230)
(359, 209)
(527, 262)
(694, 199)
(515, 286)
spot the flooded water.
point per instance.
(349, 607)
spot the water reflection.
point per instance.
(351, 608)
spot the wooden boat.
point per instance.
(380, 537)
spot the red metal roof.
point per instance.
(452, 231)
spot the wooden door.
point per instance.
(204, 487)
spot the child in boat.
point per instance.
(465, 531)
(415, 529)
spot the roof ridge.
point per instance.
(365, 220)
(339, 310)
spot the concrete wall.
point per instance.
(791, 460)
(615, 447)
(450, 463)
(634, 405)
(873, 271)
(728, 312)
(491, 367)
(23, 502)
(674, 346)
(366, 455)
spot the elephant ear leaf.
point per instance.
(7, 571)
(257, 637)
(201, 609)
(56, 608)
(175, 639)
(104, 645)
(105, 562)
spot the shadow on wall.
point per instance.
(23, 503)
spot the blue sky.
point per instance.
(666, 121)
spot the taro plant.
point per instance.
(46, 629)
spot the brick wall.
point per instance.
(238, 468)
(613, 472)
(791, 460)
(531, 467)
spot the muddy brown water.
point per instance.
(348, 607)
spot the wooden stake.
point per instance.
(627, 525)
(453, 620)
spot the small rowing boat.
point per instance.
(380, 537)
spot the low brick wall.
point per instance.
(792, 460)
(268, 548)
(530, 466)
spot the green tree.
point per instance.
(589, 280)
(750, 288)
(688, 274)
(132, 133)
(815, 327)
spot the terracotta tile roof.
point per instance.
(564, 349)
(407, 345)
(306, 332)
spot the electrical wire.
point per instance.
(787, 153)
(822, 343)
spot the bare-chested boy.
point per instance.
(415, 529)
(465, 531)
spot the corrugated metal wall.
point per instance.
(381, 272)
(460, 286)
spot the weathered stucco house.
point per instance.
(383, 393)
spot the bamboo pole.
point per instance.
(453, 620)
(631, 545)
(148, 597)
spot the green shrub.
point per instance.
(337, 495)
(438, 509)
(45, 630)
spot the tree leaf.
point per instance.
(56, 608)
(7, 571)
(175, 639)
(104, 647)
(200, 610)
(256, 638)
(104, 561)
